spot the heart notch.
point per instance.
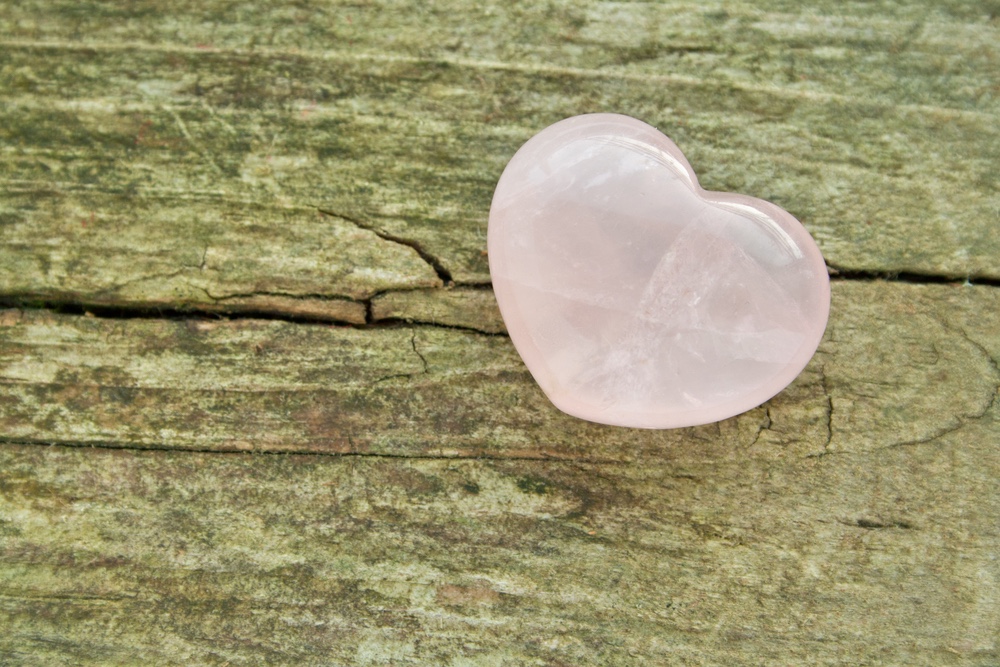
(635, 297)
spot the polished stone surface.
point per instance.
(635, 297)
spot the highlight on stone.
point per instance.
(637, 298)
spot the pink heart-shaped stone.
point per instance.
(635, 297)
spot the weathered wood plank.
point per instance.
(900, 364)
(198, 156)
(695, 556)
(413, 498)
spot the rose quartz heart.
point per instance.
(635, 297)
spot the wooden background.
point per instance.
(257, 405)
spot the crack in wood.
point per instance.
(72, 305)
(442, 273)
(829, 408)
(839, 274)
(193, 312)
(878, 524)
(961, 421)
(542, 456)
(764, 425)
(413, 344)
(408, 376)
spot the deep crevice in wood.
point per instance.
(137, 312)
(843, 275)
(140, 312)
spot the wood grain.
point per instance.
(257, 405)
(689, 557)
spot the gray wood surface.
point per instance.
(257, 405)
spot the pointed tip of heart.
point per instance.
(635, 297)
